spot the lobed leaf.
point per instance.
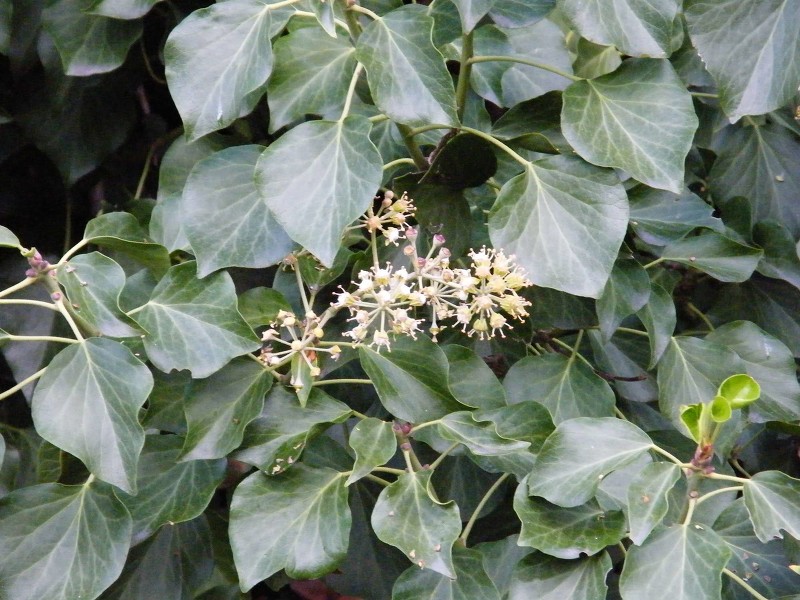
(374, 443)
(771, 498)
(470, 581)
(648, 500)
(547, 578)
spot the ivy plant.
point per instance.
(453, 299)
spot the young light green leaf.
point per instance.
(8, 239)
(88, 44)
(518, 13)
(566, 532)
(121, 9)
(626, 291)
(318, 178)
(767, 361)
(298, 521)
(411, 380)
(772, 498)
(715, 254)
(636, 27)
(121, 232)
(472, 11)
(682, 562)
(756, 77)
(579, 453)
(406, 73)
(374, 443)
(275, 440)
(311, 76)
(194, 324)
(218, 61)
(659, 318)
(607, 121)
(547, 578)
(169, 491)
(249, 236)
(740, 390)
(565, 386)
(93, 283)
(470, 581)
(480, 438)
(659, 217)
(564, 220)
(43, 525)
(407, 517)
(470, 379)
(647, 498)
(87, 403)
(219, 408)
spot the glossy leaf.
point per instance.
(659, 318)
(219, 408)
(565, 221)
(480, 438)
(528, 421)
(318, 178)
(471, 581)
(8, 239)
(122, 233)
(579, 453)
(659, 217)
(548, 578)
(374, 443)
(772, 498)
(472, 11)
(647, 498)
(194, 324)
(87, 403)
(594, 60)
(518, 13)
(471, 381)
(566, 532)
(626, 291)
(719, 256)
(259, 306)
(406, 73)
(298, 521)
(780, 260)
(499, 559)
(682, 562)
(565, 386)
(121, 9)
(408, 518)
(46, 524)
(250, 236)
(607, 121)
(756, 77)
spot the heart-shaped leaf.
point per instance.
(772, 498)
(717, 255)
(374, 443)
(547, 578)
(648, 498)
(121, 232)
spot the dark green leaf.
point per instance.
(406, 73)
(471, 381)
(407, 517)
(465, 161)
(374, 443)
(627, 290)
(87, 403)
(527, 420)
(566, 386)
(547, 578)
(518, 13)
(194, 324)
(719, 256)
(165, 403)
(471, 581)
(660, 217)
(50, 524)
(780, 260)
(608, 122)
(259, 306)
(579, 453)
(480, 438)
(318, 178)
(535, 125)
(121, 232)
(565, 221)
(659, 318)
(121, 9)
(472, 11)
(298, 521)
(682, 562)
(647, 498)
(623, 357)
(594, 60)
(772, 498)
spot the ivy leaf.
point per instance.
(411, 380)
(8, 239)
(608, 121)
(756, 77)
(219, 408)
(249, 236)
(636, 27)
(472, 11)
(121, 9)
(659, 217)
(772, 498)
(298, 521)
(565, 221)
(594, 60)
(566, 532)
(374, 443)
(93, 283)
(579, 453)
(659, 318)
(648, 499)
(121, 232)
(169, 491)
(564, 385)
(626, 291)
(260, 306)
(88, 44)
(471, 581)
(528, 421)
(406, 73)
(682, 561)
(518, 13)
(547, 578)
(781, 259)
(715, 254)
(194, 324)
(318, 178)
(217, 64)
(767, 361)
(471, 381)
(87, 403)
(480, 438)
(407, 517)
(46, 524)
(275, 440)
(311, 76)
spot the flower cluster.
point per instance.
(391, 220)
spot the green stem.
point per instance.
(699, 313)
(40, 338)
(307, 13)
(390, 470)
(302, 289)
(72, 251)
(364, 11)
(413, 147)
(377, 479)
(278, 5)
(378, 118)
(39, 303)
(416, 428)
(704, 95)
(721, 477)
(423, 128)
(657, 261)
(687, 518)
(733, 488)
(145, 171)
(574, 350)
(351, 91)
(525, 61)
(68, 318)
(493, 140)
(443, 455)
(479, 508)
(620, 414)
(341, 381)
(668, 456)
(464, 74)
(18, 286)
(13, 390)
(632, 331)
(399, 161)
(409, 463)
(743, 583)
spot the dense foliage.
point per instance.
(471, 299)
